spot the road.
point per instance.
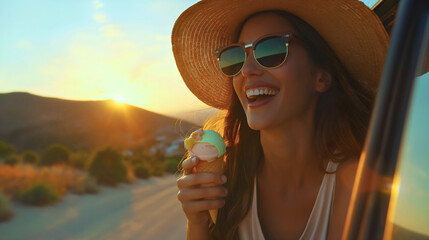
(147, 209)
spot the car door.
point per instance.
(390, 197)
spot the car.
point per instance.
(390, 198)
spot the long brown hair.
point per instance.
(341, 122)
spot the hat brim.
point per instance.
(352, 30)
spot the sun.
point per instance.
(119, 99)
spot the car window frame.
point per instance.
(367, 213)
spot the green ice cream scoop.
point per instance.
(208, 136)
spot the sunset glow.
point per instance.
(90, 50)
(119, 99)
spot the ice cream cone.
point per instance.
(209, 147)
(215, 166)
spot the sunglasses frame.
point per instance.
(285, 36)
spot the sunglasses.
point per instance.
(269, 51)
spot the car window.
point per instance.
(408, 216)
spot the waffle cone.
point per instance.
(215, 166)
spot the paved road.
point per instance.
(147, 209)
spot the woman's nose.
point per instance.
(251, 67)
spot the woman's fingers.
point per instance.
(202, 205)
(201, 193)
(204, 178)
(189, 164)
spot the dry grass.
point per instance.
(15, 178)
(131, 177)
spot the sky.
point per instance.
(94, 50)
(91, 50)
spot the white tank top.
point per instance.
(318, 222)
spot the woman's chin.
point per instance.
(257, 124)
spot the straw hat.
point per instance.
(351, 29)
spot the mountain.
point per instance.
(31, 122)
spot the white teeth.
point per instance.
(261, 91)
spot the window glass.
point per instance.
(370, 3)
(408, 216)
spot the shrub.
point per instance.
(39, 194)
(56, 154)
(30, 157)
(86, 184)
(5, 212)
(172, 165)
(158, 169)
(11, 160)
(108, 168)
(131, 176)
(159, 155)
(79, 160)
(136, 161)
(141, 171)
(13, 179)
(6, 149)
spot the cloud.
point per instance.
(98, 4)
(111, 30)
(100, 18)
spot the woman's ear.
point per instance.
(323, 82)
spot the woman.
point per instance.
(297, 80)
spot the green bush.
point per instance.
(79, 160)
(11, 160)
(39, 194)
(141, 171)
(159, 155)
(172, 165)
(158, 169)
(136, 161)
(6, 149)
(30, 157)
(157, 163)
(108, 168)
(86, 184)
(56, 154)
(5, 211)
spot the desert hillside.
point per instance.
(31, 122)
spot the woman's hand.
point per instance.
(196, 197)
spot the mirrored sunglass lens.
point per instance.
(271, 52)
(231, 60)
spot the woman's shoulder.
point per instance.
(346, 172)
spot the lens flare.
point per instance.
(119, 99)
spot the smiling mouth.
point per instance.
(257, 94)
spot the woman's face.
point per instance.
(297, 82)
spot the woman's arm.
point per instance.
(195, 231)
